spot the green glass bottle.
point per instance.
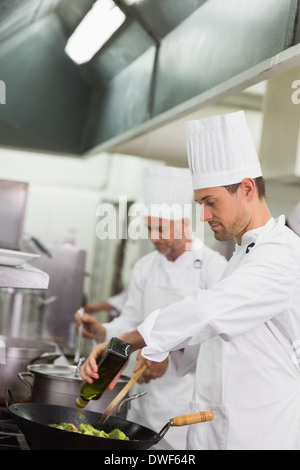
(117, 355)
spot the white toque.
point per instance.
(221, 151)
(168, 192)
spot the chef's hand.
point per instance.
(89, 370)
(154, 369)
(97, 307)
(91, 308)
(92, 329)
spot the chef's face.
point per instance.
(166, 235)
(227, 214)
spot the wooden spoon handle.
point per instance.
(117, 400)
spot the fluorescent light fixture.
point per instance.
(133, 2)
(95, 29)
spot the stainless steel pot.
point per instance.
(16, 355)
(60, 385)
(22, 312)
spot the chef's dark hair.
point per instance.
(260, 185)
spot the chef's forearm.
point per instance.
(134, 339)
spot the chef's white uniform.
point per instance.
(157, 283)
(249, 328)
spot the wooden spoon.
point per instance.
(117, 400)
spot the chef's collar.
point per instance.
(251, 236)
(196, 251)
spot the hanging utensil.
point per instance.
(117, 400)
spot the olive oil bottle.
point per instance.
(117, 355)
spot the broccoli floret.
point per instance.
(65, 427)
(118, 434)
(91, 431)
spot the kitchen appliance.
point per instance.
(11, 437)
(22, 312)
(66, 270)
(18, 354)
(13, 200)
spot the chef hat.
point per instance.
(221, 151)
(294, 220)
(168, 192)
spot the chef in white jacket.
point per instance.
(248, 324)
(179, 266)
(294, 220)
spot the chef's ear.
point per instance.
(248, 188)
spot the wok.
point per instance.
(33, 419)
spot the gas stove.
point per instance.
(11, 437)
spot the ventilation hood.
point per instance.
(169, 58)
(280, 144)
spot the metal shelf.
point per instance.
(23, 277)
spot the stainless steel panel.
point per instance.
(47, 97)
(124, 102)
(66, 271)
(52, 104)
(23, 277)
(220, 40)
(13, 199)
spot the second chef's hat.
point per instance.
(221, 151)
(168, 192)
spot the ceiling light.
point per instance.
(133, 2)
(95, 29)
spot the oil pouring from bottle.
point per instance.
(117, 355)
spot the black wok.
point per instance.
(34, 419)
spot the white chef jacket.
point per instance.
(156, 283)
(249, 328)
(117, 302)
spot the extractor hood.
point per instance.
(170, 57)
(280, 143)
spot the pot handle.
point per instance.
(22, 376)
(192, 418)
(185, 420)
(133, 397)
(8, 394)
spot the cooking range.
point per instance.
(11, 437)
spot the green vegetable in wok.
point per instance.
(91, 431)
(117, 434)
